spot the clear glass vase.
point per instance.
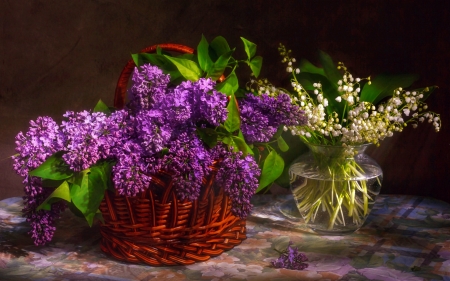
(335, 187)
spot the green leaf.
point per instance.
(102, 107)
(279, 132)
(250, 48)
(100, 175)
(159, 50)
(282, 144)
(329, 89)
(306, 66)
(239, 140)
(154, 59)
(296, 147)
(228, 140)
(51, 183)
(240, 93)
(218, 47)
(233, 121)
(204, 60)
(191, 57)
(272, 169)
(88, 189)
(62, 192)
(54, 168)
(99, 216)
(384, 85)
(137, 59)
(256, 154)
(158, 60)
(189, 69)
(255, 65)
(218, 67)
(208, 135)
(331, 71)
(230, 85)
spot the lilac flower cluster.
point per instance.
(149, 84)
(166, 118)
(262, 115)
(156, 131)
(130, 174)
(239, 177)
(291, 258)
(85, 139)
(189, 162)
(41, 141)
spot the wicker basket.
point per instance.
(155, 227)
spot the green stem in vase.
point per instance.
(335, 190)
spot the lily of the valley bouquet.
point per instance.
(347, 111)
(178, 119)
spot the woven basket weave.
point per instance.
(155, 227)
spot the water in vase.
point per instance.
(338, 201)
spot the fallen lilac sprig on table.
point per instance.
(291, 258)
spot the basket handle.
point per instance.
(121, 88)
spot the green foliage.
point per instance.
(102, 107)
(62, 192)
(272, 169)
(54, 168)
(296, 148)
(282, 144)
(162, 62)
(218, 47)
(208, 135)
(230, 85)
(383, 86)
(331, 72)
(308, 67)
(255, 65)
(216, 70)
(83, 190)
(187, 68)
(250, 48)
(204, 59)
(233, 121)
(88, 187)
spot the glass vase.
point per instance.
(335, 187)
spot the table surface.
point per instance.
(404, 238)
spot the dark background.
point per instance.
(66, 55)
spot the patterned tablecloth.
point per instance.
(404, 238)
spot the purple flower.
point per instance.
(239, 177)
(207, 104)
(188, 161)
(119, 129)
(291, 258)
(149, 86)
(131, 174)
(255, 125)
(152, 134)
(86, 141)
(41, 141)
(262, 115)
(42, 222)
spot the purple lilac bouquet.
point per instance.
(180, 127)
